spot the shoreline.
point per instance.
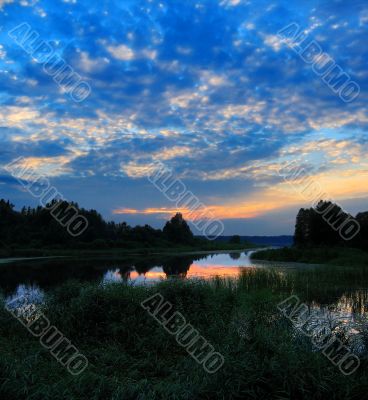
(8, 260)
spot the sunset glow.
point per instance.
(224, 112)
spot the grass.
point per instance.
(129, 250)
(340, 256)
(132, 357)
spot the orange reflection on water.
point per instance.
(195, 270)
(208, 271)
(154, 275)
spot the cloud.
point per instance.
(205, 87)
(121, 52)
(4, 3)
(88, 64)
(44, 166)
(274, 41)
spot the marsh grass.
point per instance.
(339, 256)
(132, 357)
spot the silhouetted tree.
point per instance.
(321, 225)
(362, 238)
(235, 239)
(36, 228)
(177, 230)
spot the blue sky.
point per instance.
(206, 87)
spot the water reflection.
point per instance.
(25, 295)
(344, 297)
(205, 267)
(331, 323)
(112, 276)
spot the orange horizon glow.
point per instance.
(348, 184)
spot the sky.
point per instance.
(209, 88)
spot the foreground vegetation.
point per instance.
(132, 357)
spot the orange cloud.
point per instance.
(248, 210)
(148, 211)
(45, 166)
(337, 184)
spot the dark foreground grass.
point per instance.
(132, 357)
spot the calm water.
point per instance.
(33, 276)
(344, 299)
(206, 266)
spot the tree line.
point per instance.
(328, 224)
(37, 228)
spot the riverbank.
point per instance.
(130, 355)
(339, 256)
(119, 252)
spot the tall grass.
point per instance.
(132, 357)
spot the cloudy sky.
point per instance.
(207, 87)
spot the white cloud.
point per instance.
(212, 79)
(88, 64)
(150, 54)
(231, 3)
(5, 2)
(363, 18)
(121, 52)
(2, 52)
(125, 53)
(273, 41)
(184, 50)
(24, 3)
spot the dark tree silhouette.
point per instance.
(320, 226)
(235, 239)
(177, 230)
(362, 239)
(36, 228)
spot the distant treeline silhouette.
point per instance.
(328, 224)
(36, 228)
